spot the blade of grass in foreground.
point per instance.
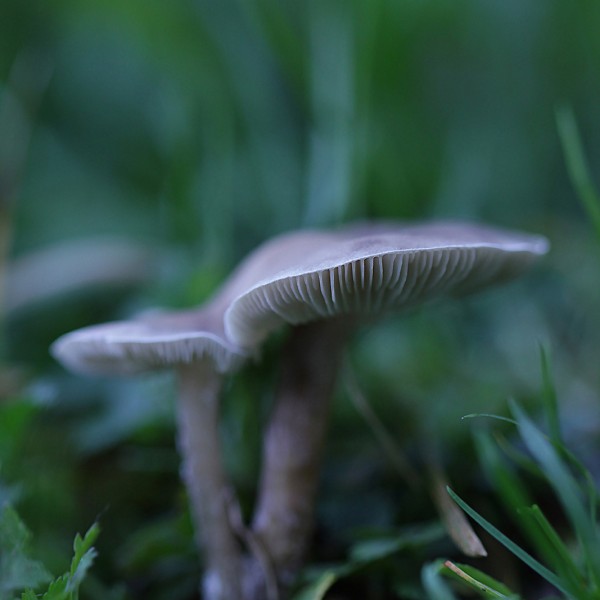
(531, 562)
(434, 585)
(517, 500)
(562, 559)
(565, 487)
(477, 580)
(577, 164)
(509, 487)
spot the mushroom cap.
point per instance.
(363, 269)
(164, 339)
(373, 268)
(156, 340)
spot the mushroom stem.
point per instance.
(205, 478)
(293, 445)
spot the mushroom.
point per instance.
(193, 344)
(324, 285)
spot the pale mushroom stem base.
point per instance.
(204, 476)
(293, 445)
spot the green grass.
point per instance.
(195, 132)
(569, 550)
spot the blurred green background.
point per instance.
(146, 146)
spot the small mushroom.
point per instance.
(325, 284)
(193, 344)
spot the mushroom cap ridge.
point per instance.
(372, 268)
(156, 340)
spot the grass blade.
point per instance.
(385, 439)
(434, 585)
(489, 416)
(549, 394)
(565, 487)
(318, 588)
(577, 164)
(531, 562)
(509, 487)
(484, 584)
(553, 544)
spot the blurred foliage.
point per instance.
(189, 131)
(571, 555)
(17, 570)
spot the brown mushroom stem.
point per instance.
(204, 476)
(293, 445)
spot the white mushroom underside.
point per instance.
(368, 286)
(101, 350)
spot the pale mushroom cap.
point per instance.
(161, 340)
(164, 339)
(155, 341)
(370, 269)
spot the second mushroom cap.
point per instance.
(372, 268)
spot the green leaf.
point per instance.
(57, 590)
(84, 556)
(66, 587)
(17, 570)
